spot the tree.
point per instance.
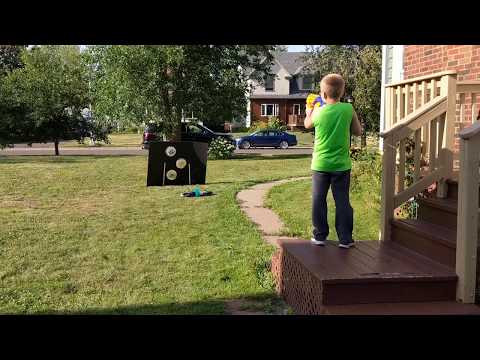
(45, 99)
(10, 58)
(158, 83)
(360, 66)
(367, 91)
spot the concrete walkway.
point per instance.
(252, 203)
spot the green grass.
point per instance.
(292, 202)
(116, 139)
(85, 235)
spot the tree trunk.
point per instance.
(177, 133)
(364, 140)
(56, 148)
(363, 143)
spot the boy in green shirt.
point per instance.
(334, 122)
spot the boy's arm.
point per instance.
(308, 123)
(355, 127)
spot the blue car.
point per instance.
(267, 138)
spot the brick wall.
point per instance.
(285, 108)
(420, 60)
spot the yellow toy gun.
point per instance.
(314, 100)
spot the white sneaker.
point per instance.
(317, 242)
(346, 246)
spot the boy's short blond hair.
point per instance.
(333, 85)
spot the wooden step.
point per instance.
(419, 308)
(442, 212)
(430, 240)
(310, 277)
(453, 188)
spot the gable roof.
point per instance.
(291, 61)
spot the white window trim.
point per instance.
(276, 108)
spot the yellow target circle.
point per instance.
(171, 174)
(181, 163)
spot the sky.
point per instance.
(291, 48)
(295, 48)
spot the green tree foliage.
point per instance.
(361, 67)
(155, 83)
(45, 100)
(10, 58)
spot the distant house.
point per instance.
(283, 94)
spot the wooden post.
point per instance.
(400, 104)
(388, 187)
(417, 154)
(388, 104)
(401, 164)
(392, 110)
(467, 219)
(449, 84)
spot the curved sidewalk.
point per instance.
(252, 201)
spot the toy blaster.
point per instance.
(314, 100)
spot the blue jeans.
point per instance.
(340, 183)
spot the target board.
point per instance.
(177, 163)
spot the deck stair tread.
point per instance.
(368, 261)
(441, 234)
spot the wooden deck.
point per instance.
(311, 277)
(419, 308)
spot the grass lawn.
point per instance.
(116, 139)
(292, 201)
(85, 235)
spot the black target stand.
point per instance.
(177, 163)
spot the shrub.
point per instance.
(273, 123)
(220, 149)
(366, 172)
(259, 125)
(276, 124)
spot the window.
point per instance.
(269, 83)
(272, 133)
(307, 82)
(296, 109)
(260, 133)
(192, 129)
(270, 109)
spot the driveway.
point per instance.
(119, 151)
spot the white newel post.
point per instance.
(467, 219)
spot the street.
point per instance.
(44, 149)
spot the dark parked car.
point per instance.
(267, 138)
(190, 132)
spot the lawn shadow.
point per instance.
(25, 159)
(263, 304)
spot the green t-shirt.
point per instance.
(331, 151)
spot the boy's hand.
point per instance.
(308, 118)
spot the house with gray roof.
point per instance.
(284, 93)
